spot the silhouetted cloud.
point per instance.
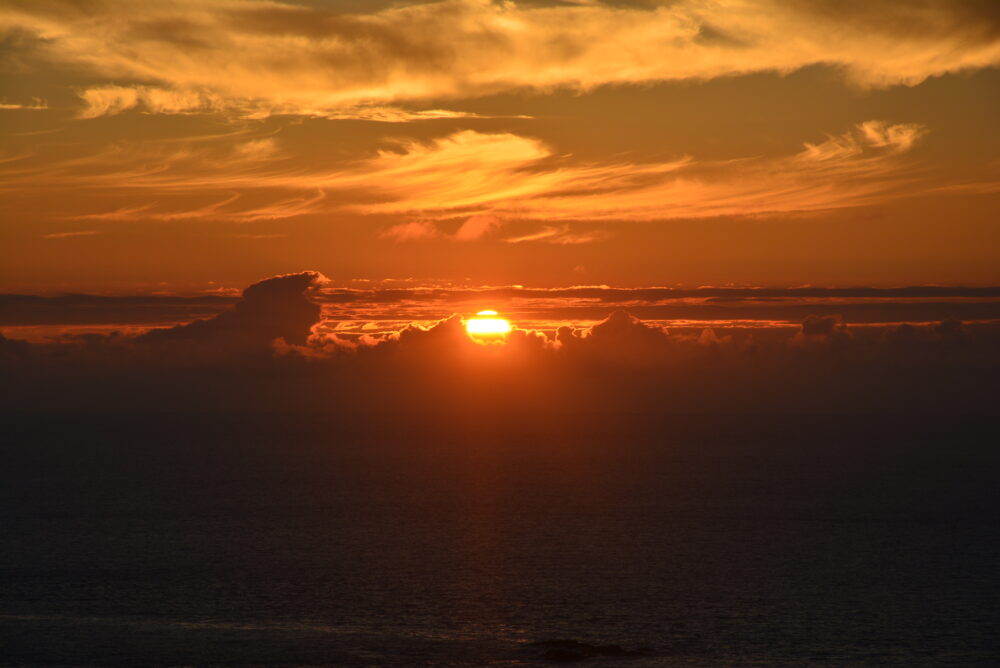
(825, 328)
(350, 309)
(267, 352)
(276, 307)
(12, 350)
(620, 337)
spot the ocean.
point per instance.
(493, 540)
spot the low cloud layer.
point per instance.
(379, 307)
(267, 353)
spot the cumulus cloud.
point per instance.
(306, 58)
(620, 337)
(276, 307)
(823, 328)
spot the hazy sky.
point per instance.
(177, 146)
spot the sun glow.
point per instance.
(487, 324)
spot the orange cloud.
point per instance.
(489, 178)
(412, 231)
(509, 176)
(286, 58)
(66, 235)
(110, 100)
(35, 105)
(561, 235)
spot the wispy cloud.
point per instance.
(412, 231)
(561, 235)
(114, 99)
(484, 226)
(36, 104)
(512, 177)
(66, 235)
(487, 180)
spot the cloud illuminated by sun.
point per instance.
(486, 323)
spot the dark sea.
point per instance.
(305, 540)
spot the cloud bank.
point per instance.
(266, 353)
(289, 58)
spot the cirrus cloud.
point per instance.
(486, 179)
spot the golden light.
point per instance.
(487, 324)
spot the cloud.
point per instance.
(476, 227)
(487, 178)
(823, 326)
(115, 99)
(260, 236)
(621, 338)
(829, 329)
(561, 235)
(266, 353)
(285, 208)
(382, 308)
(307, 58)
(276, 307)
(258, 149)
(66, 235)
(412, 231)
(485, 225)
(110, 100)
(12, 351)
(513, 177)
(37, 104)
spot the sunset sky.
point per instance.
(471, 333)
(197, 146)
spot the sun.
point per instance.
(486, 323)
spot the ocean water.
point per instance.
(488, 541)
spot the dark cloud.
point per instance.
(12, 350)
(620, 337)
(831, 327)
(976, 20)
(265, 354)
(273, 308)
(859, 305)
(22, 310)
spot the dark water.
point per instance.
(180, 540)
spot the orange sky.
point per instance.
(185, 146)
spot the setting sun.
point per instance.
(486, 323)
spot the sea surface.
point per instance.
(168, 540)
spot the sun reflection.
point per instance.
(486, 323)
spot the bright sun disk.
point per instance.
(487, 324)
